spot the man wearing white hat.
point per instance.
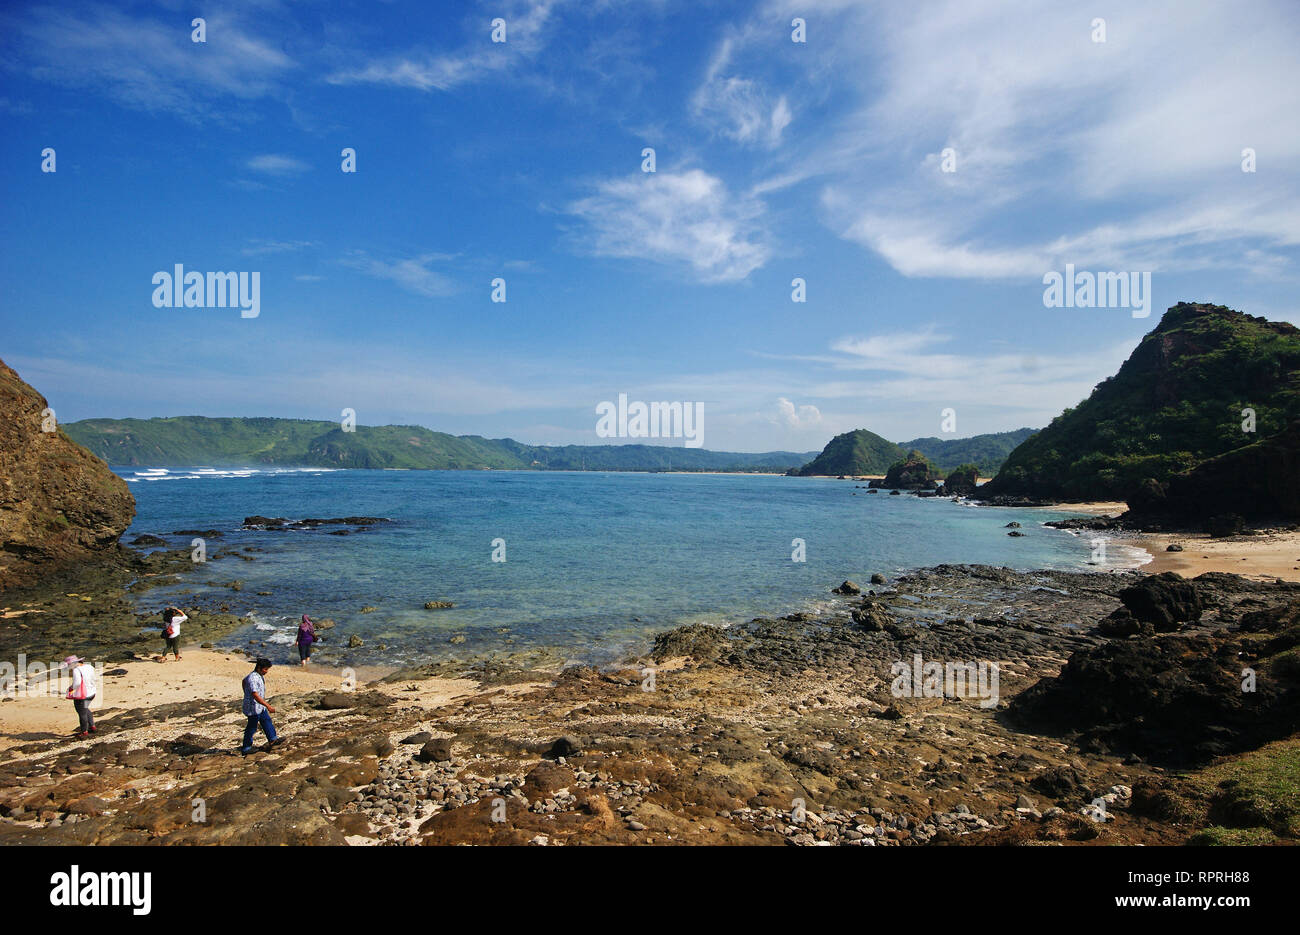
(82, 692)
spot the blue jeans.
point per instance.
(262, 720)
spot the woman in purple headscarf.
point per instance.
(306, 637)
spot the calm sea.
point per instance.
(595, 565)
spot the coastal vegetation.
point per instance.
(1206, 381)
(243, 442)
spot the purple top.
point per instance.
(306, 631)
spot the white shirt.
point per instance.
(174, 628)
(83, 681)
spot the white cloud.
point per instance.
(740, 108)
(277, 164)
(413, 273)
(261, 247)
(676, 217)
(525, 26)
(149, 64)
(1120, 155)
(797, 417)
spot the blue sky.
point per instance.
(522, 160)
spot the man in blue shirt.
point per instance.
(256, 709)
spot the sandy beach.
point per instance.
(201, 674)
(1265, 557)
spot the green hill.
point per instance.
(238, 442)
(856, 452)
(986, 452)
(1174, 403)
(863, 452)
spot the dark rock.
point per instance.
(871, 617)
(877, 578)
(1173, 547)
(437, 750)
(264, 522)
(565, 746)
(1122, 623)
(421, 738)
(1165, 601)
(1225, 525)
(848, 587)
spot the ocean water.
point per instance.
(596, 563)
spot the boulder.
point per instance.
(848, 587)
(1224, 525)
(1121, 623)
(1165, 601)
(565, 746)
(871, 617)
(437, 750)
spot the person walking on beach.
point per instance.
(256, 708)
(173, 617)
(82, 692)
(306, 637)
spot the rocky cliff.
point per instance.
(1181, 398)
(59, 504)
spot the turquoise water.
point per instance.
(595, 563)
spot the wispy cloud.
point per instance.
(148, 63)
(676, 217)
(264, 247)
(739, 107)
(277, 164)
(441, 71)
(414, 274)
(1067, 150)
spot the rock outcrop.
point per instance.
(59, 504)
(960, 482)
(914, 472)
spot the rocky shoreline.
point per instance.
(777, 731)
